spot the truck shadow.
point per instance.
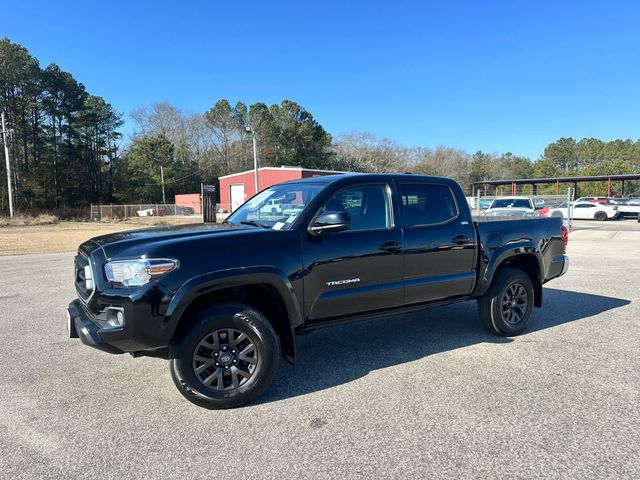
(333, 356)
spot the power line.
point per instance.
(183, 177)
(174, 180)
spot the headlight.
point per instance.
(134, 273)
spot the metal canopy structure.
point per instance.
(534, 182)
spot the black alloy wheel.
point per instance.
(506, 307)
(514, 304)
(225, 359)
(225, 355)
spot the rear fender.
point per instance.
(503, 254)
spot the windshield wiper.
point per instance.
(254, 223)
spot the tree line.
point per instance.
(194, 147)
(67, 148)
(63, 141)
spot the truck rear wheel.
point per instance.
(226, 357)
(507, 306)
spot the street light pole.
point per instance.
(255, 158)
(6, 158)
(255, 155)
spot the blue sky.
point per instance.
(492, 76)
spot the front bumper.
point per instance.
(123, 320)
(81, 326)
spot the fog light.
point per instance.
(115, 318)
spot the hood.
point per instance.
(127, 241)
(511, 212)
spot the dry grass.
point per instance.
(63, 236)
(27, 220)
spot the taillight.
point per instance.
(565, 237)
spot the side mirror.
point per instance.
(290, 197)
(331, 222)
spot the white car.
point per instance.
(147, 212)
(274, 207)
(512, 207)
(630, 209)
(602, 200)
(586, 211)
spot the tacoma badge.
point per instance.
(342, 282)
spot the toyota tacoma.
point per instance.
(224, 302)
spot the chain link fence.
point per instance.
(545, 206)
(121, 212)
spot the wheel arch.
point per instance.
(524, 258)
(264, 289)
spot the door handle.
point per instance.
(391, 247)
(461, 240)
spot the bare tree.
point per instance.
(365, 152)
(162, 119)
(444, 161)
(226, 127)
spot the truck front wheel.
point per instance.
(506, 307)
(227, 356)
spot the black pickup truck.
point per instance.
(224, 302)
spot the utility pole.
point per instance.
(6, 158)
(162, 179)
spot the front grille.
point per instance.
(84, 291)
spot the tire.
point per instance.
(600, 216)
(514, 288)
(557, 214)
(235, 333)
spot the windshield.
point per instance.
(276, 207)
(511, 203)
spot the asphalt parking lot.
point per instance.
(421, 395)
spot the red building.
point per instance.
(191, 200)
(235, 189)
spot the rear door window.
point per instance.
(427, 204)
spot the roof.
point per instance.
(280, 169)
(530, 181)
(369, 176)
(323, 178)
(513, 197)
